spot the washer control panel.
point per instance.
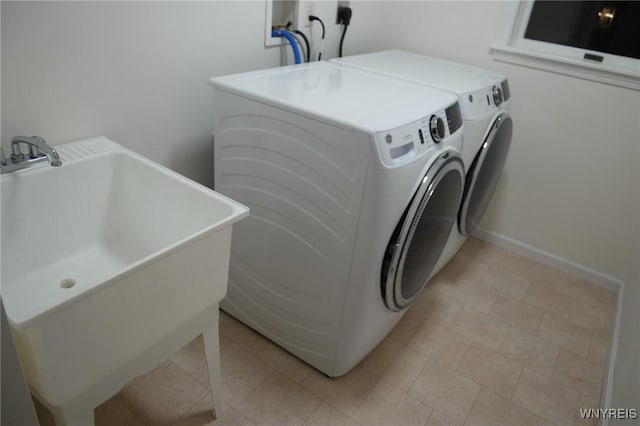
(399, 145)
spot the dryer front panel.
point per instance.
(484, 173)
(421, 234)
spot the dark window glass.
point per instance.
(603, 26)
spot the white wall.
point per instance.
(133, 71)
(570, 187)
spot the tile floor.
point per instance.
(496, 339)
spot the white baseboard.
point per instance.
(549, 259)
(605, 401)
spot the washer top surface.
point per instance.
(339, 94)
(451, 76)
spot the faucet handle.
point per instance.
(3, 159)
(34, 152)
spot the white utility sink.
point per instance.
(110, 263)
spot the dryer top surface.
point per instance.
(451, 76)
(342, 95)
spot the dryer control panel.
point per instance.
(478, 103)
(402, 144)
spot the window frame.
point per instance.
(514, 48)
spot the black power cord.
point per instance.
(344, 18)
(315, 18)
(306, 42)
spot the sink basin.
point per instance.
(109, 264)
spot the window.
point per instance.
(597, 40)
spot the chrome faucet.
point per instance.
(39, 152)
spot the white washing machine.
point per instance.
(484, 98)
(354, 182)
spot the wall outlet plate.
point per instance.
(341, 3)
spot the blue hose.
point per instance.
(292, 41)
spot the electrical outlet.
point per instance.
(341, 3)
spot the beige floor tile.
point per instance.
(284, 362)
(530, 351)
(548, 299)
(504, 280)
(471, 246)
(279, 401)
(437, 307)
(465, 264)
(438, 419)
(241, 334)
(191, 357)
(596, 318)
(546, 398)
(407, 326)
(496, 255)
(202, 415)
(472, 269)
(386, 406)
(490, 369)
(326, 415)
(599, 349)
(485, 328)
(536, 273)
(344, 393)
(447, 391)
(469, 292)
(241, 373)
(518, 314)
(112, 413)
(608, 298)
(394, 363)
(580, 289)
(163, 395)
(441, 344)
(547, 422)
(565, 334)
(582, 418)
(578, 373)
(490, 409)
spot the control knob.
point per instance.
(437, 128)
(497, 95)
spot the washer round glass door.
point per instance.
(484, 173)
(423, 230)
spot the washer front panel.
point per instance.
(421, 234)
(484, 173)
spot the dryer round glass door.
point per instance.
(420, 236)
(484, 173)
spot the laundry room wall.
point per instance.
(135, 71)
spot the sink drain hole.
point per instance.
(67, 283)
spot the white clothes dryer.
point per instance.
(354, 182)
(483, 97)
